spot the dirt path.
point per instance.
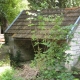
(27, 72)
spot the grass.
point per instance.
(5, 61)
(4, 57)
(9, 74)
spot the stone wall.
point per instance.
(74, 50)
(22, 47)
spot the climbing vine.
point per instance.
(51, 60)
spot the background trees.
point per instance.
(39, 4)
(10, 8)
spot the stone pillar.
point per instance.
(12, 51)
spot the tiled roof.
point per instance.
(20, 27)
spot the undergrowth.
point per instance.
(4, 55)
(9, 74)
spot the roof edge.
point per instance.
(13, 21)
(73, 28)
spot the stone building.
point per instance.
(20, 31)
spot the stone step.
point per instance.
(2, 39)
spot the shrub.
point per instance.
(50, 62)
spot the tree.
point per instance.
(10, 8)
(42, 4)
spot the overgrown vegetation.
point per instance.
(15, 61)
(4, 57)
(9, 74)
(9, 9)
(50, 4)
(51, 60)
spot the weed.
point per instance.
(9, 74)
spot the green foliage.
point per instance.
(44, 4)
(11, 8)
(76, 79)
(0, 45)
(15, 60)
(9, 74)
(1, 63)
(4, 57)
(51, 61)
(4, 62)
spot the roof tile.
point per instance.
(23, 27)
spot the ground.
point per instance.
(4, 57)
(25, 71)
